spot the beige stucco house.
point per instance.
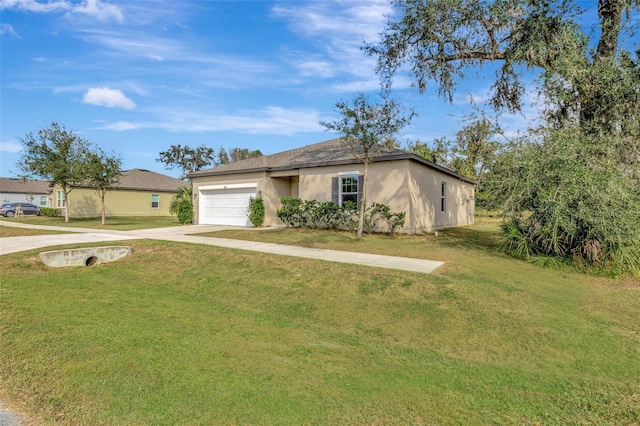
(139, 193)
(432, 196)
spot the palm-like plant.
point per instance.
(182, 205)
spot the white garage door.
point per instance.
(225, 206)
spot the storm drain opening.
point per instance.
(91, 261)
(90, 256)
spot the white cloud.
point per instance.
(111, 98)
(100, 10)
(94, 8)
(270, 120)
(35, 6)
(6, 29)
(339, 28)
(10, 147)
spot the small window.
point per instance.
(443, 196)
(43, 200)
(349, 189)
(155, 201)
(61, 200)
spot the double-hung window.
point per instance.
(348, 186)
(61, 201)
(443, 196)
(43, 201)
(155, 201)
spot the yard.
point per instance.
(186, 334)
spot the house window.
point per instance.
(443, 196)
(349, 189)
(61, 200)
(155, 201)
(43, 200)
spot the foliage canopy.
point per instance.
(573, 184)
(57, 155)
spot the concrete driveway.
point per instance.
(183, 234)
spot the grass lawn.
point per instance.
(121, 223)
(186, 334)
(5, 231)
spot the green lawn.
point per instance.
(187, 334)
(6, 231)
(121, 223)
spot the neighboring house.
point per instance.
(14, 190)
(432, 196)
(138, 193)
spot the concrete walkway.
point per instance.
(183, 234)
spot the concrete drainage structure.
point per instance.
(84, 256)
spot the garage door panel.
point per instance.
(225, 206)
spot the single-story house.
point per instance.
(139, 192)
(14, 190)
(432, 196)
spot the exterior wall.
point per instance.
(14, 197)
(259, 178)
(403, 185)
(84, 202)
(425, 214)
(387, 183)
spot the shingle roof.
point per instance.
(329, 153)
(20, 186)
(146, 180)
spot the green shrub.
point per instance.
(256, 211)
(51, 212)
(182, 205)
(314, 214)
(291, 212)
(185, 212)
(378, 211)
(395, 221)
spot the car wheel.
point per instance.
(9, 214)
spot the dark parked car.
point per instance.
(9, 210)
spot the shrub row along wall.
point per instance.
(298, 213)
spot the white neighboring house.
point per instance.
(14, 190)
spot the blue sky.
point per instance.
(135, 77)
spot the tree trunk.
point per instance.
(66, 204)
(610, 12)
(102, 194)
(363, 201)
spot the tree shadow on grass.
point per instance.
(470, 238)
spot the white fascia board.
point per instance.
(229, 186)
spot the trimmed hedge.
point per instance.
(51, 212)
(256, 211)
(297, 213)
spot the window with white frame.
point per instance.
(43, 201)
(443, 196)
(348, 186)
(155, 201)
(61, 200)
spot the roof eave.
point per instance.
(387, 157)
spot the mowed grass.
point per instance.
(189, 334)
(6, 231)
(122, 223)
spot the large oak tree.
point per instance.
(573, 186)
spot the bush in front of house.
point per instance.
(51, 212)
(381, 212)
(256, 211)
(298, 213)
